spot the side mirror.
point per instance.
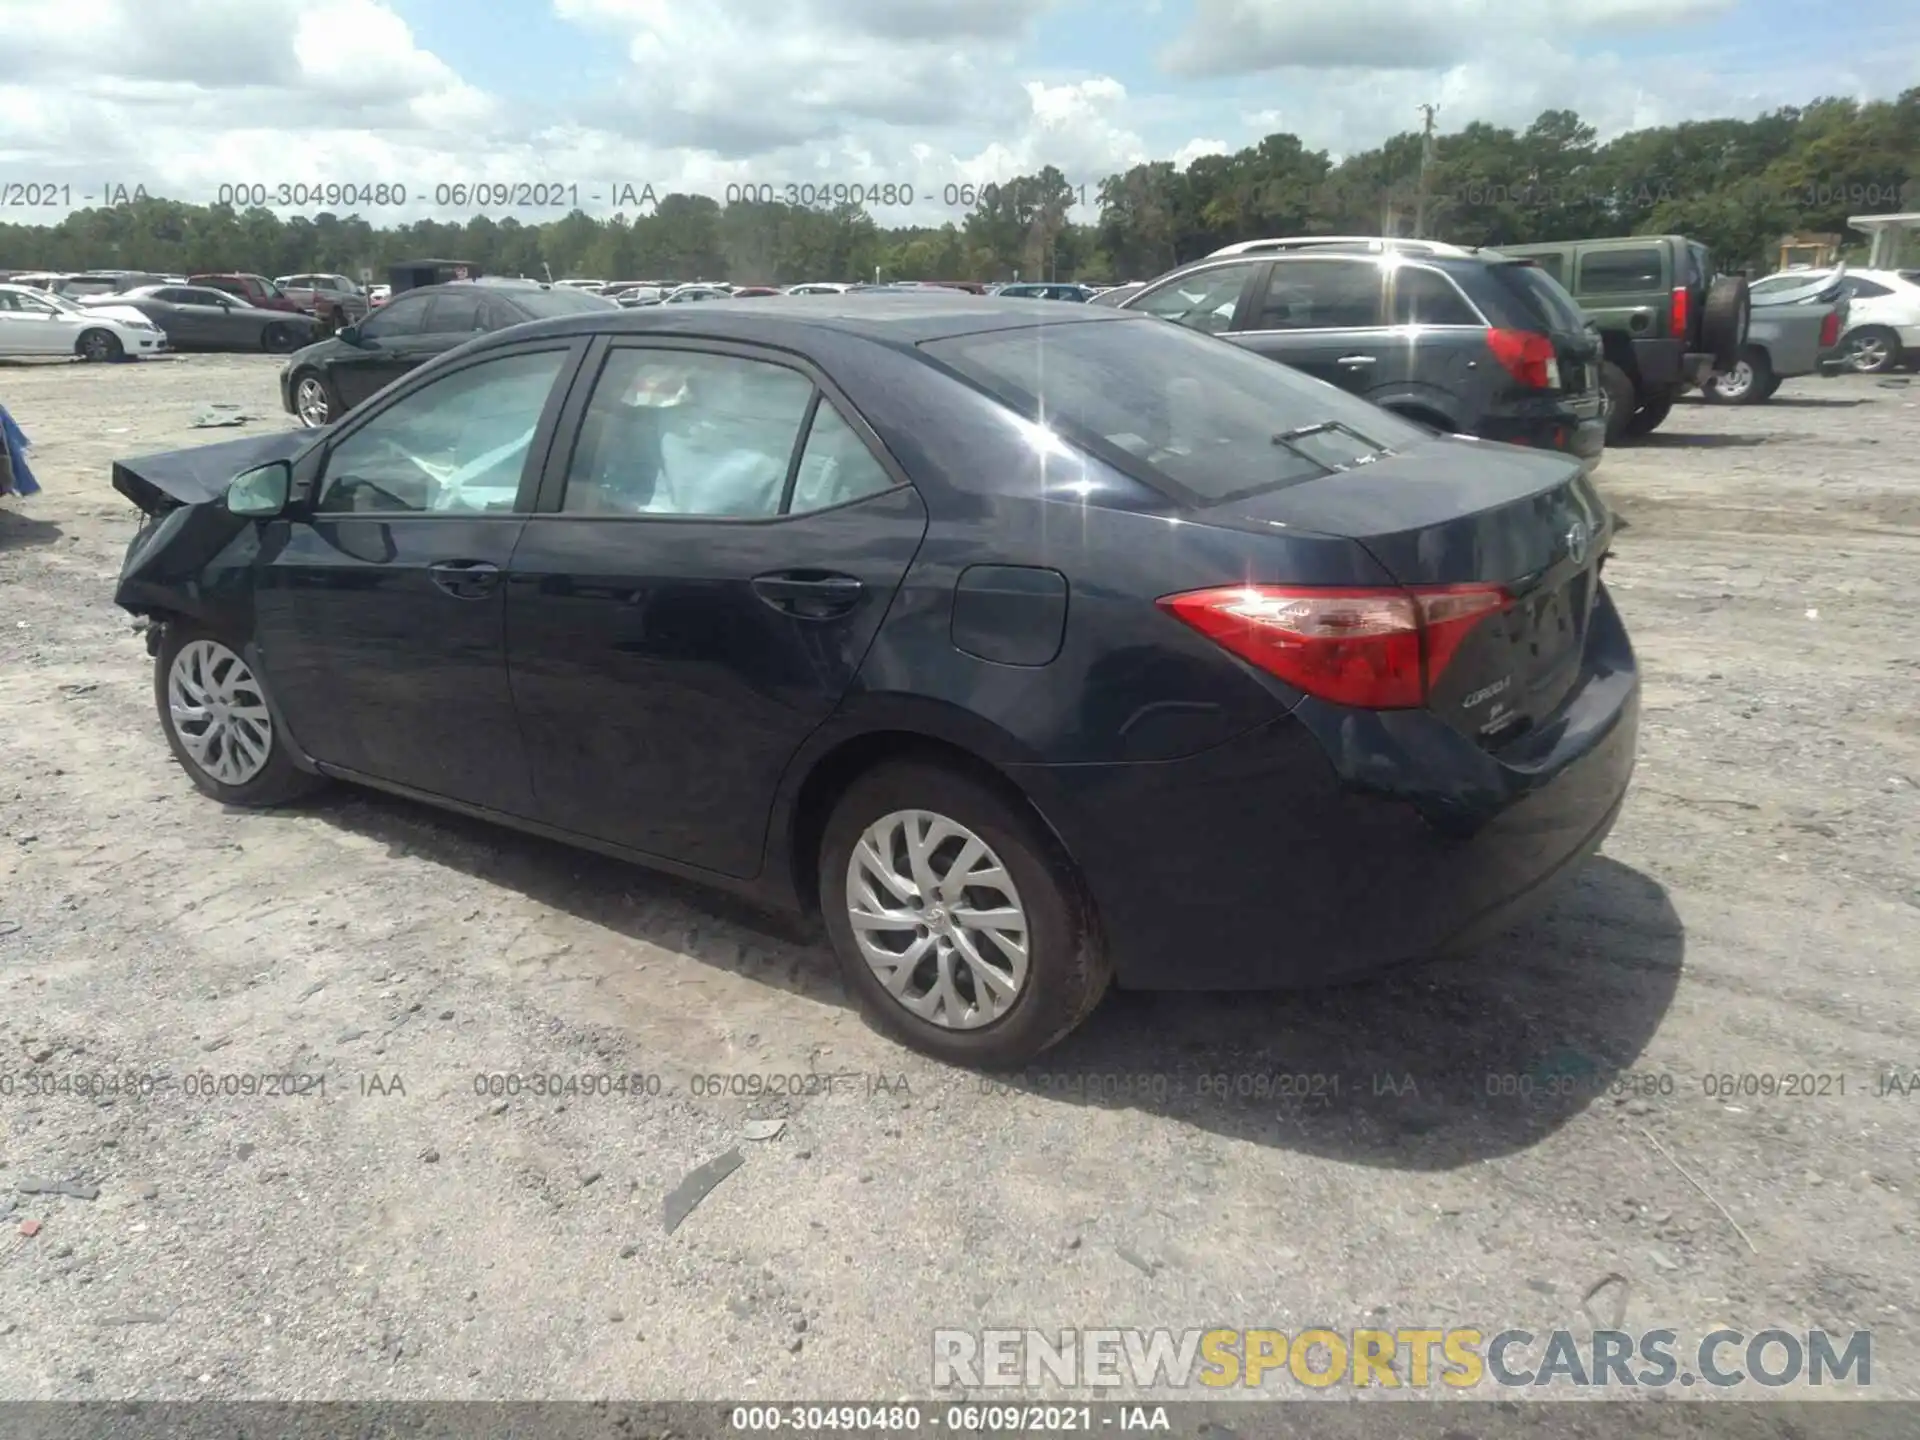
(348, 333)
(261, 493)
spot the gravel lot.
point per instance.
(405, 1235)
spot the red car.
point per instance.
(747, 292)
(256, 290)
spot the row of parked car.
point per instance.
(637, 293)
(111, 314)
(1569, 347)
(1521, 343)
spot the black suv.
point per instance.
(1466, 341)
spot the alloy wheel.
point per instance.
(1735, 382)
(311, 402)
(1868, 353)
(97, 345)
(938, 919)
(219, 712)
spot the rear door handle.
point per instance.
(1357, 361)
(809, 594)
(465, 579)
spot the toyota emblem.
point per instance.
(1577, 539)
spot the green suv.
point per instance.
(1666, 321)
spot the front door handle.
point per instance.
(809, 594)
(465, 579)
(1357, 362)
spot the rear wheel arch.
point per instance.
(1618, 350)
(1423, 415)
(835, 771)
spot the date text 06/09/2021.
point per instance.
(959, 1419)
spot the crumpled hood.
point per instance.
(1822, 287)
(157, 483)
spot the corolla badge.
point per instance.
(1578, 538)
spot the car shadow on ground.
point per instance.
(1432, 1066)
(1681, 440)
(19, 530)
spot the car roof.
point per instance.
(902, 318)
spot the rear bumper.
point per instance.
(1576, 429)
(1335, 842)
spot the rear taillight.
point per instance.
(1528, 357)
(1377, 649)
(1677, 317)
(1830, 330)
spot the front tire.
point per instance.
(958, 924)
(218, 723)
(314, 403)
(99, 347)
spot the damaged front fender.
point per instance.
(169, 566)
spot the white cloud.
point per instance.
(1246, 37)
(935, 94)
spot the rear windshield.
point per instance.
(1546, 299)
(561, 300)
(1193, 416)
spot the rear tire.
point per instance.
(218, 723)
(99, 347)
(279, 339)
(1873, 350)
(1750, 381)
(1017, 871)
(1724, 320)
(1622, 400)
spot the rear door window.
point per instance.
(1621, 272)
(1322, 294)
(454, 315)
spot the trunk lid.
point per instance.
(1457, 511)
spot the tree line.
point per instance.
(1737, 185)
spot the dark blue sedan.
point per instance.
(1034, 646)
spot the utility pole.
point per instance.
(1426, 162)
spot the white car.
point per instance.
(819, 287)
(1883, 314)
(33, 322)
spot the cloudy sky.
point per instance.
(598, 95)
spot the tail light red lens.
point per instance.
(1528, 357)
(1830, 330)
(1679, 314)
(1374, 649)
